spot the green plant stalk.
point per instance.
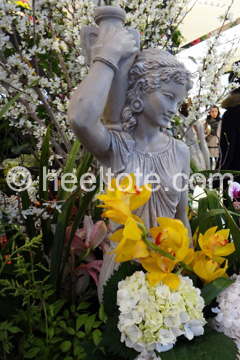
(185, 266)
(151, 245)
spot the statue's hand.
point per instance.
(115, 45)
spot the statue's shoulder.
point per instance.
(181, 147)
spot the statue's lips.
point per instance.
(168, 117)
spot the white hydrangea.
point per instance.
(151, 318)
(227, 319)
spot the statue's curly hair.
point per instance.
(150, 69)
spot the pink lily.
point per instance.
(89, 237)
(83, 273)
(233, 189)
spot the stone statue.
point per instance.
(157, 85)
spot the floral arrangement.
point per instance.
(164, 296)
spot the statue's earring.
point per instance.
(137, 105)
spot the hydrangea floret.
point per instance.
(153, 317)
(228, 311)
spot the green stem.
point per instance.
(86, 254)
(150, 244)
(186, 267)
(180, 271)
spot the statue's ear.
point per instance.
(140, 87)
(89, 36)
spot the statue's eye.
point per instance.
(168, 96)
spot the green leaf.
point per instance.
(81, 320)
(89, 323)
(43, 190)
(193, 166)
(80, 334)
(213, 289)
(65, 346)
(214, 203)
(97, 335)
(101, 313)
(14, 329)
(56, 307)
(70, 331)
(235, 233)
(83, 305)
(201, 219)
(31, 353)
(210, 346)
(63, 194)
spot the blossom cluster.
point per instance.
(152, 318)
(228, 311)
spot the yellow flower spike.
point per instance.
(134, 197)
(215, 244)
(131, 246)
(121, 199)
(208, 269)
(159, 268)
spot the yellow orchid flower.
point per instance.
(172, 237)
(121, 199)
(131, 246)
(208, 269)
(215, 244)
(159, 268)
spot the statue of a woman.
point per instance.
(158, 84)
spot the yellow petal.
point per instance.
(131, 230)
(136, 201)
(140, 250)
(209, 233)
(189, 258)
(117, 235)
(115, 216)
(224, 250)
(171, 280)
(119, 205)
(155, 277)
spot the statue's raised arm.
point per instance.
(111, 57)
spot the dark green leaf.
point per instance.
(213, 289)
(89, 323)
(235, 233)
(81, 320)
(96, 336)
(210, 346)
(65, 346)
(30, 354)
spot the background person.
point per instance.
(212, 133)
(194, 138)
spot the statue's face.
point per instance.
(161, 105)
